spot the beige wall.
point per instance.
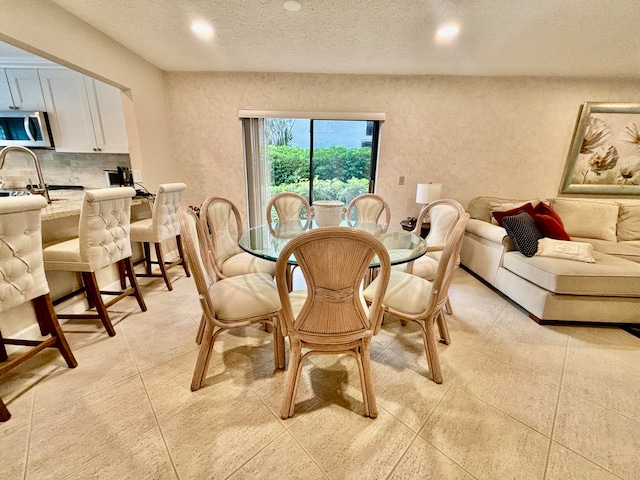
(478, 135)
(45, 29)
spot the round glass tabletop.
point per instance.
(267, 241)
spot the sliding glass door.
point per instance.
(318, 159)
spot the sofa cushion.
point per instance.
(589, 219)
(479, 206)
(523, 232)
(609, 276)
(629, 250)
(629, 223)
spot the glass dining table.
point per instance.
(267, 241)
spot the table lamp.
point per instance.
(428, 192)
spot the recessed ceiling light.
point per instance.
(202, 30)
(447, 31)
(292, 5)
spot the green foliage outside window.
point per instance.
(291, 164)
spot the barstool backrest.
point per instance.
(104, 226)
(21, 269)
(165, 210)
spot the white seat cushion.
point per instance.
(244, 296)
(405, 292)
(142, 231)
(609, 276)
(65, 256)
(244, 263)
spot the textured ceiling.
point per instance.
(498, 37)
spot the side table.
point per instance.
(409, 224)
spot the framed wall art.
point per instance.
(604, 158)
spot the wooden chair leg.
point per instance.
(448, 308)
(46, 316)
(181, 253)
(365, 356)
(163, 267)
(93, 292)
(443, 328)
(122, 274)
(204, 355)
(278, 347)
(288, 399)
(131, 274)
(3, 351)
(431, 349)
(147, 257)
(4, 413)
(203, 322)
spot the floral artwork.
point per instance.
(605, 151)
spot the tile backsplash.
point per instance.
(85, 169)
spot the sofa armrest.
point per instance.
(489, 231)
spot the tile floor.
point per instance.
(519, 401)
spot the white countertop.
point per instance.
(67, 203)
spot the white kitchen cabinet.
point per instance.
(20, 89)
(105, 103)
(85, 115)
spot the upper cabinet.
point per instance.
(105, 104)
(20, 89)
(86, 115)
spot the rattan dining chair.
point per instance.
(334, 318)
(369, 208)
(443, 215)
(233, 302)
(289, 207)
(221, 218)
(415, 299)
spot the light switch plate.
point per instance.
(401, 180)
(137, 176)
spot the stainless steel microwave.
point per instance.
(28, 129)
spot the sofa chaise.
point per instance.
(557, 289)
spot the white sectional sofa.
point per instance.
(560, 290)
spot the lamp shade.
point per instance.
(428, 192)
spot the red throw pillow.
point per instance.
(544, 209)
(527, 208)
(550, 227)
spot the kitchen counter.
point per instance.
(67, 203)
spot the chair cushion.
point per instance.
(142, 231)
(244, 263)
(405, 292)
(608, 276)
(244, 296)
(65, 256)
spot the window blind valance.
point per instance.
(379, 116)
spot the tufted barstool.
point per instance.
(162, 226)
(22, 280)
(103, 240)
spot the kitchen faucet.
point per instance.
(42, 189)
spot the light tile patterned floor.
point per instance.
(518, 401)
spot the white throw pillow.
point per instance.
(581, 252)
(587, 219)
